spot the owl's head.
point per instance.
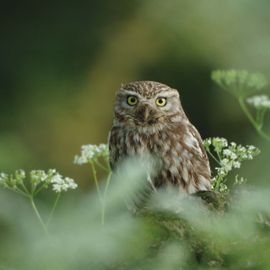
(147, 103)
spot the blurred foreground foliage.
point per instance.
(172, 231)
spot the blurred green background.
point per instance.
(62, 61)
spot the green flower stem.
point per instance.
(101, 166)
(260, 117)
(219, 157)
(16, 190)
(30, 197)
(104, 198)
(38, 215)
(53, 209)
(24, 188)
(36, 191)
(32, 188)
(108, 165)
(214, 158)
(218, 181)
(252, 120)
(96, 180)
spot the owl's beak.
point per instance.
(143, 114)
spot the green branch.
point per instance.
(38, 215)
(53, 209)
(252, 120)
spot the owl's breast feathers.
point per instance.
(184, 160)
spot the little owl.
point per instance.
(149, 118)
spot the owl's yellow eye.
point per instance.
(161, 102)
(132, 100)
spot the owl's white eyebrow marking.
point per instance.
(133, 93)
(166, 94)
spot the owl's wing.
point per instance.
(194, 144)
(113, 150)
(198, 147)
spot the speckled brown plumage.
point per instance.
(162, 131)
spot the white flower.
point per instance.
(239, 82)
(223, 188)
(38, 176)
(229, 153)
(60, 184)
(229, 157)
(259, 102)
(239, 180)
(226, 164)
(51, 171)
(236, 164)
(207, 142)
(3, 178)
(90, 152)
(219, 144)
(20, 174)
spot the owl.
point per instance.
(149, 118)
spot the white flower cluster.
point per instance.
(3, 179)
(37, 178)
(218, 143)
(239, 77)
(60, 183)
(239, 82)
(228, 155)
(91, 152)
(259, 102)
(231, 155)
(12, 180)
